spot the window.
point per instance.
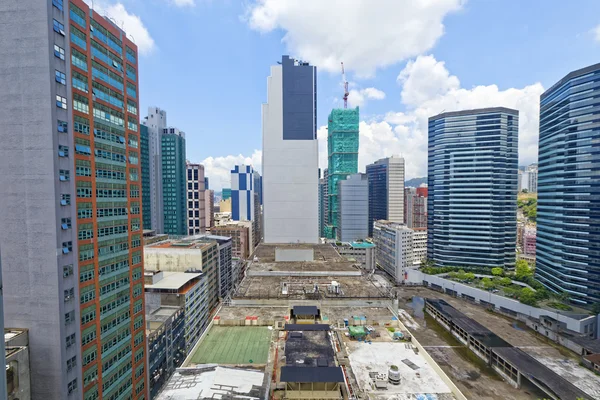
(61, 102)
(85, 231)
(58, 4)
(72, 386)
(77, 15)
(59, 52)
(64, 175)
(81, 125)
(62, 126)
(70, 340)
(63, 151)
(80, 103)
(69, 293)
(130, 54)
(67, 247)
(60, 77)
(67, 270)
(79, 59)
(69, 317)
(78, 38)
(59, 28)
(86, 273)
(88, 294)
(65, 223)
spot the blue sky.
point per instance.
(206, 63)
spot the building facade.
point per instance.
(156, 122)
(258, 186)
(225, 265)
(419, 246)
(18, 374)
(472, 187)
(386, 190)
(174, 174)
(532, 177)
(242, 193)
(353, 208)
(209, 208)
(529, 236)
(362, 252)
(290, 154)
(240, 238)
(196, 212)
(342, 159)
(225, 193)
(568, 210)
(74, 162)
(415, 207)
(322, 200)
(393, 248)
(145, 177)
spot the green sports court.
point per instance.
(234, 345)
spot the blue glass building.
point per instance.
(472, 179)
(568, 214)
(377, 181)
(242, 193)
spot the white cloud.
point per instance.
(359, 97)
(364, 35)
(218, 169)
(130, 23)
(596, 33)
(184, 3)
(405, 133)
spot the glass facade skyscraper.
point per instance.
(568, 213)
(174, 173)
(472, 179)
(386, 190)
(146, 189)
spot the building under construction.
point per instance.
(342, 154)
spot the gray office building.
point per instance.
(472, 188)
(568, 211)
(156, 122)
(353, 208)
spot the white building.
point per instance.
(156, 121)
(290, 154)
(196, 213)
(393, 248)
(362, 252)
(419, 246)
(532, 178)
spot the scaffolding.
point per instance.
(342, 151)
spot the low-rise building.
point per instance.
(165, 330)
(226, 275)
(239, 232)
(223, 218)
(394, 248)
(187, 290)
(18, 381)
(187, 255)
(362, 252)
(419, 246)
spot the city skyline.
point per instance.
(461, 78)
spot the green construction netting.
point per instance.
(357, 331)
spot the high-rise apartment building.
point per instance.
(174, 174)
(393, 248)
(472, 186)
(353, 208)
(209, 208)
(156, 122)
(415, 207)
(342, 158)
(196, 212)
(71, 214)
(568, 210)
(386, 190)
(145, 177)
(290, 154)
(532, 178)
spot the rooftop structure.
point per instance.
(18, 377)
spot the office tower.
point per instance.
(71, 214)
(342, 158)
(145, 177)
(225, 193)
(520, 181)
(242, 193)
(472, 176)
(353, 208)
(156, 122)
(322, 200)
(568, 210)
(206, 183)
(532, 178)
(174, 174)
(325, 199)
(386, 190)
(258, 186)
(393, 248)
(209, 208)
(290, 154)
(196, 213)
(415, 207)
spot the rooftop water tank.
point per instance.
(394, 375)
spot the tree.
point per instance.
(487, 283)
(497, 271)
(469, 276)
(527, 296)
(522, 269)
(596, 308)
(505, 281)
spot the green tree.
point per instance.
(527, 296)
(522, 269)
(596, 308)
(497, 271)
(505, 281)
(469, 276)
(487, 283)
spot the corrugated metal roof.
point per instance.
(311, 374)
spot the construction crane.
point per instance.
(345, 87)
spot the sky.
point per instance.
(206, 63)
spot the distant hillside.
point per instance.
(415, 182)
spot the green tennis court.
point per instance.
(234, 345)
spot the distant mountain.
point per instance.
(415, 182)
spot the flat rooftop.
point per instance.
(180, 245)
(323, 252)
(173, 280)
(417, 376)
(159, 316)
(326, 258)
(214, 382)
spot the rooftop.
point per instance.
(173, 280)
(362, 245)
(181, 244)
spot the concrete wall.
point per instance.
(23, 391)
(175, 260)
(283, 255)
(318, 303)
(303, 273)
(290, 175)
(417, 277)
